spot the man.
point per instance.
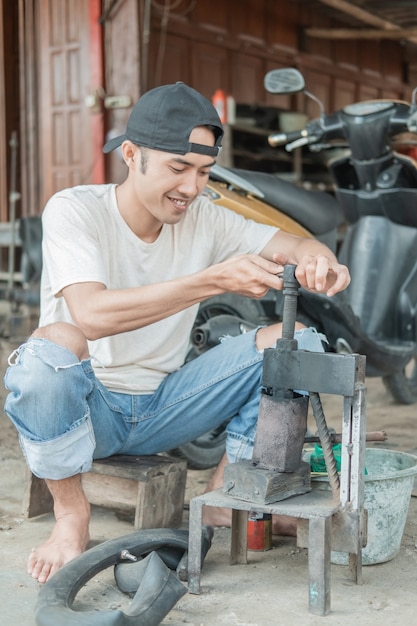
(125, 268)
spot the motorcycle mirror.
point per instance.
(287, 80)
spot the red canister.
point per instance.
(219, 102)
(259, 531)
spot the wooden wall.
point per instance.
(231, 45)
(209, 44)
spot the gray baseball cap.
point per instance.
(163, 118)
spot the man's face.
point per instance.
(168, 183)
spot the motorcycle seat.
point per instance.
(318, 211)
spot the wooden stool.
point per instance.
(151, 488)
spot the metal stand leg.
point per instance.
(352, 483)
(334, 523)
(239, 545)
(194, 545)
(319, 565)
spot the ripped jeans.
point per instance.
(66, 418)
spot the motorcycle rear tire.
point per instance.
(206, 451)
(403, 386)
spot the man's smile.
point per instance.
(179, 204)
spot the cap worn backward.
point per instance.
(163, 118)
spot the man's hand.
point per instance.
(322, 274)
(318, 269)
(247, 275)
(252, 275)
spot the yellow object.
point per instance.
(252, 208)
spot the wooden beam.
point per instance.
(360, 14)
(360, 33)
(97, 83)
(28, 113)
(365, 16)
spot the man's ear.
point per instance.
(128, 152)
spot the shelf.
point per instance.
(254, 130)
(262, 156)
(246, 146)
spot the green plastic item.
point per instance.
(317, 462)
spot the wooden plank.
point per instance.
(95, 83)
(138, 467)
(359, 33)
(361, 14)
(161, 502)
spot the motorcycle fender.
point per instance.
(406, 310)
(252, 208)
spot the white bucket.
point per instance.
(388, 486)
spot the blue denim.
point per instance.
(66, 418)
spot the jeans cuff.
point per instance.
(63, 456)
(238, 448)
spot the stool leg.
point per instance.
(194, 546)
(319, 565)
(37, 499)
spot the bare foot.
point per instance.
(69, 538)
(217, 516)
(284, 525)
(70, 535)
(281, 524)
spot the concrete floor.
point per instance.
(271, 589)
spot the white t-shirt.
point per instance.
(86, 239)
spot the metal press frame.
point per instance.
(332, 519)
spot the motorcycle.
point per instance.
(376, 190)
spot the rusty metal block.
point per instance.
(246, 482)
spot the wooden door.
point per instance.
(3, 132)
(70, 107)
(9, 107)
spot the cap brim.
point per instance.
(113, 143)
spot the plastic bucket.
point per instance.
(388, 486)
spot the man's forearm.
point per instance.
(101, 312)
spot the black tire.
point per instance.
(403, 385)
(231, 304)
(206, 451)
(56, 597)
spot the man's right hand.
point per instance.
(247, 275)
